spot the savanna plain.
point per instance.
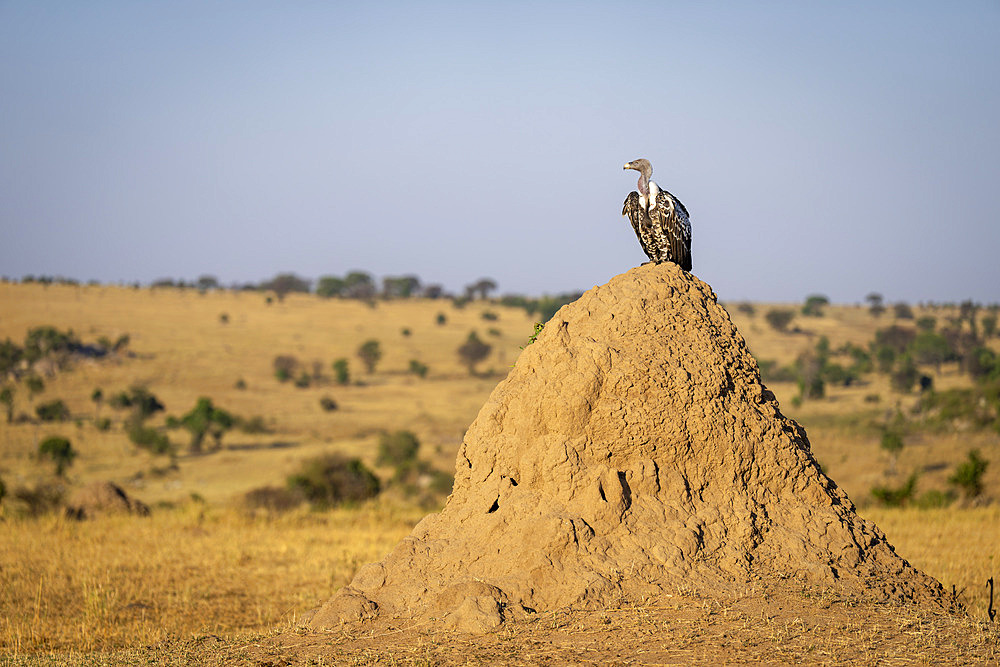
(232, 416)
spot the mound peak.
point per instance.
(631, 451)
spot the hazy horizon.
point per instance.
(834, 149)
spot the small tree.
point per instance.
(98, 398)
(370, 352)
(779, 319)
(205, 419)
(441, 319)
(284, 283)
(472, 351)
(330, 286)
(968, 475)
(814, 305)
(7, 398)
(892, 442)
(989, 325)
(59, 450)
(417, 368)
(905, 376)
(875, 304)
(341, 372)
(35, 385)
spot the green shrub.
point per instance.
(102, 424)
(896, 496)
(285, 366)
(341, 372)
(333, 479)
(490, 316)
(905, 376)
(327, 404)
(149, 439)
(303, 380)
(417, 368)
(441, 319)
(934, 499)
(397, 449)
(968, 476)
(53, 411)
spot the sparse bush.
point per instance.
(149, 439)
(272, 499)
(7, 398)
(34, 384)
(223, 318)
(285, 283)
(872, 398)
(53, 411)
(327, 404)
(982, 364)
(934, 499)
(771, 371)
(968, 475)
(490, 316)
(896, 496)
(331, 480)
(303, 380)
(398, 449)
(989, 326)
(255, 424)
(102, 424)
(285, 366)
(241, 384)
(341, 372)
(905, 376)
(441, 319)
(902, 311)
(417, 368)
(473, 351)
(931, 348)
(406, 332)
(779, 319)
(747, 309)
(59, 450)
(44, 498)
(370, 353)
(493, 331)
(927, 323)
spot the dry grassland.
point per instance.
(199, 566)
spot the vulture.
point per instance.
(659, 219)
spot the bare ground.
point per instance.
(787, 627)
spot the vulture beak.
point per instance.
(627, 165)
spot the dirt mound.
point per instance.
(103, 498)
(632, 451)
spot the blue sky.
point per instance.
(837, 148)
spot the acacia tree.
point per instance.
(472, 351)
(875, 304)
(59, 450)
(205, 419)
(370, 353)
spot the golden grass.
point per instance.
(959, 547)
(126, 581)
(205, 568)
